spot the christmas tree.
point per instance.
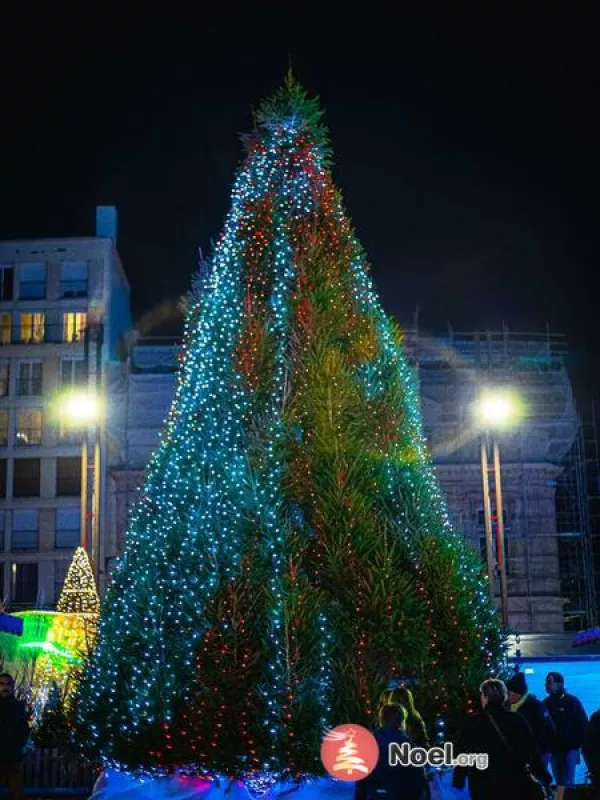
(79, 594)
(291, 552)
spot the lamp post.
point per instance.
(83, 410)
(496, 410)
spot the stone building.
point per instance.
(548, 558)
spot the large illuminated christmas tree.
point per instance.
(291, 552)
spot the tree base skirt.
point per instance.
(114, 785)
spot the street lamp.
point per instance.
(83, 409)
(496, 410)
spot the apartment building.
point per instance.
(64, 307)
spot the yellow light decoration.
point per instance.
(79, 594)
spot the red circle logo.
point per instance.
(349, 752)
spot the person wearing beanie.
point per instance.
(533, 711)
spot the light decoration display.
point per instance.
(291, 550)
(49, 653)
(79, 594)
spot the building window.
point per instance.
(73, 372)
(29, 382)
(73, 279)
(69, 433)
(2, 477)
(25, 529)
(4, 378)
(32, 281)
(68, 476)
(505, 519)
(26, 480)
(29, 427)
(32, 328)
(60, 573)
(68, 528)
(24, 580)
(3, 427)
(74, 323)
(6, 283)
(5, 327)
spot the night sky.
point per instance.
(466, 147)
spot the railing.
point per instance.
(41, 334)
(73, 288)
(51, 772)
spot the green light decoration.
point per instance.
(51, 649)
(52, 646)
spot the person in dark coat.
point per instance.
(570, 721)
(415, 725)
(14, 733)
(591, 749)
(538, 717)
(392, 782)
(505, 774)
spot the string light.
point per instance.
(293, 448)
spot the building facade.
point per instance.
(547, 538)
(53, 294)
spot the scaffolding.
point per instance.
(553, 552)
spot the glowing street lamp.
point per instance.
(496, 410)
(84, 409)
(80, 408)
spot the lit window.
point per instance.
(32, 328)
(74, 323)
(29, 427)
(5, 327)
(68, 434)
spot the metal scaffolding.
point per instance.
(555, 435)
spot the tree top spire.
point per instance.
(292, 109)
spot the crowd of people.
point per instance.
(530, 744)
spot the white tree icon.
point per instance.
(348, 759)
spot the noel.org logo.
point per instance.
(349, 752)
